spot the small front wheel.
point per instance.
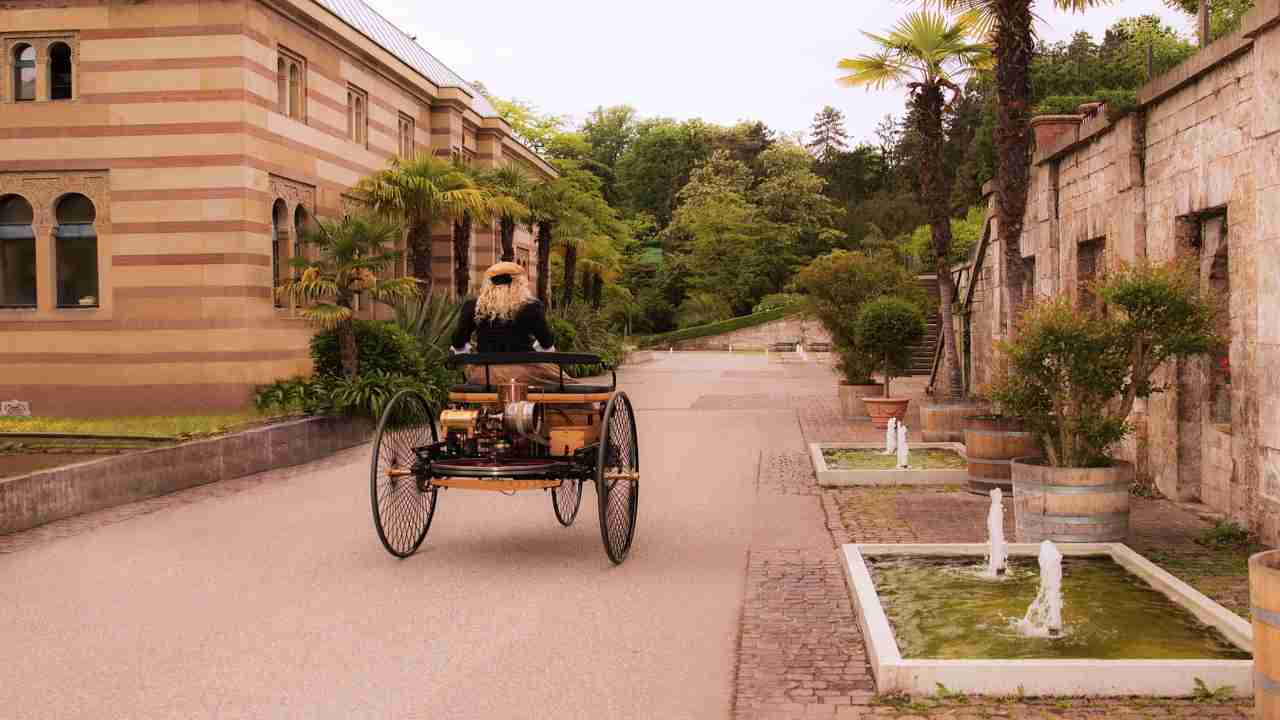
(566, 500)
(403, 503)
(618, 477)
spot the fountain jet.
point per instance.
(890, 436)
(999, 553)
(1044, 617)
(903, 450)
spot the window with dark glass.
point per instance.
(406, 136)
(17, 254)
(76, 252)
(60, 75)
(301, 224)
(279, 226)
(24, 73)
(358, 116)
(291, 81)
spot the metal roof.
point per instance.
(392, 39)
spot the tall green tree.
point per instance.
(349, 255)
(1012, 36)
(928, 54)
(657, 164)
(512, 191)
(827, 136)
(420, 193)
(1224, 15)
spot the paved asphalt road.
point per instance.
(279, 602)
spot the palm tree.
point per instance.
(421, 192)
(928, 54)
(512, 188)
(1010, 24)
(544, 212)
(350, 255)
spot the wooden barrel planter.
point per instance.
(1264, 596)
(851, 405)
(990, 444)
(944, 421)
(1085, 505)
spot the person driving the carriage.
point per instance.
(506, 318)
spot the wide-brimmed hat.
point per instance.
(503, 268)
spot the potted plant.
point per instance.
(855, 367)
(835, 287)
(888, 328)
(1072, 376)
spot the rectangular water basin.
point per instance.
(830, 474)
(1047, 677)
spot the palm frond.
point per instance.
(327, 315)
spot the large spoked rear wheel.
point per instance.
(618, 477)
(566, 500)
(403, 504)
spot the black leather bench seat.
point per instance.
(555, 389)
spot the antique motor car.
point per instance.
(508, 437)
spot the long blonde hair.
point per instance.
(500, 303)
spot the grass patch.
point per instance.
(869, 459)
(158, 426)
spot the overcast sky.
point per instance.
(715, 59)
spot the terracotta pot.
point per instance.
(1051, 129)
(1084, 505)
(882, 408)
(851, 406)
(1264, 595)
(944, 421)
(991, 443)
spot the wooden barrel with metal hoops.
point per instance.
(1084, 505)
(1264, 596)
(944, 421)
(990, 444)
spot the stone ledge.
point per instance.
(27, 501)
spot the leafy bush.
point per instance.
(887, 328)
(1073, 374)
(840, 283)
(381, 346)
(965, 233)
(1062, 104)
(1119, 103)
(586, 331)
(1225, 534)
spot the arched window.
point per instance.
(24, 73)
(60, 75)
(282, 85)
(360, 121)
(295, 91)
(279, 228)
(301, 224)
(76, 251)
(17, 253)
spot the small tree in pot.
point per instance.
(835, 287)
(1072, 375)
(887, 330)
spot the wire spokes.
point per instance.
(403, 506)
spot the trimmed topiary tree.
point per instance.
(887, 330)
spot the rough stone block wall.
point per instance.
(1205, 145)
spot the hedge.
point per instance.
(718, 328)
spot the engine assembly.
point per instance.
(515, 423)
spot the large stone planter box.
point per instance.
(832, 477)
(27, 501)
(1096, 678)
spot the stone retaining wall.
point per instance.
(759, 337)
(30, 500)
(1194, 170)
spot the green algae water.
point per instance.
(944, 609)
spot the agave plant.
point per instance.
(430, 318)
(350, 255)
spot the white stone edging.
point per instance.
(829, 477)
(1095, 678)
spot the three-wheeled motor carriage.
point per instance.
(508, 437)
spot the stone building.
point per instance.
(159, 161)
(1196, 169)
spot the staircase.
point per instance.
(922, 354)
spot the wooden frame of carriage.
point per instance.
(508, 438)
